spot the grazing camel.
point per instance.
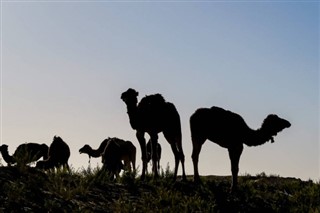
(128, 153)
(25, 153)
(154, 115)
(149, 154)
(230, 131)
(112, 156)
(58, 155)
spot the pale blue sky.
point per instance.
(65, 65)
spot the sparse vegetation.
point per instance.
(25, 189)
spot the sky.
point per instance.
(64, 65)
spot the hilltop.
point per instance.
(89, 190)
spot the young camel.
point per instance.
(230, 131)
(154, 115)
(149, 153)
(25, 153)
(128, 153)
(58, 155)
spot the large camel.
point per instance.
(230, 131)
(128, 151)
(154, 115)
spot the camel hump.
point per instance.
(152, 100)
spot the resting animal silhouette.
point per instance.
(25, 153)
(58, 155)
(230, 131)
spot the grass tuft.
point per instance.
(91, 190)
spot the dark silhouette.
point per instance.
(230, 131)
(149, 154)
(153, 115)
(25, 153)
(5, 154)
(128, 151)
(58, 155)
(111, 157)
(95, 153)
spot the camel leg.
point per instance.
(142, 142)
(234, 155)
(176, 158)
(154, 154)
(158, 161)
(176, 146)
(133, 160)
(181, 157)
(197, 144)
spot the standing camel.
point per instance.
(127, 154)
(154, 115)
(230, 131)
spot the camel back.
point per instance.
(29, 152)
(126, 147)
(155, 112)
(151, 102)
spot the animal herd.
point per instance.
(153, 115)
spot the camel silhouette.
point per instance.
(128, 151)
(230, 131)
(154, 115)
(95, 153)
(5, 154)
(149, 154)
(25, 153)
(112, 157)
(58, 155)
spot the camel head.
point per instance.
(4, 147)
(57, 138)
(130, 97)
(85, 149)
(274, 124)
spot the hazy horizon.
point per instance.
(65, 64)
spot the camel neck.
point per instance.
(95, 153)
(257, 137)
(132, 111)
(6, 157)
